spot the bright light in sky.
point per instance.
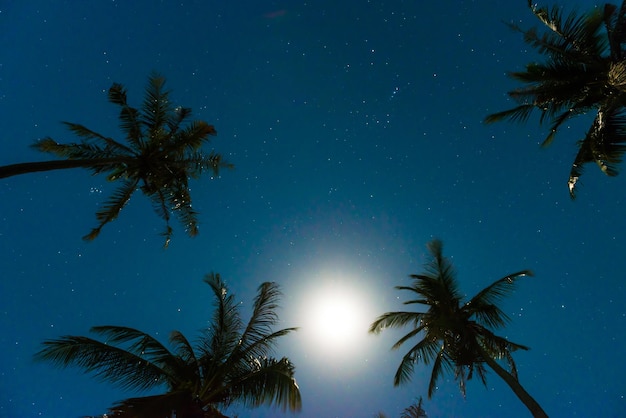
(336, 318)
(334, 313)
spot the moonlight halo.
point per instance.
(333, 314)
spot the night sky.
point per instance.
(356, 130)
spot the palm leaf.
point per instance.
(144, 346)
(198, 162)
(271, 382)
(192, 137)
(156, 109)
(129, 116)
(258, 339)
(179, 201)
(224, 332)
(112, 207)
(440, 365)
(176, 118)
(615, 28)
(520, 114)
(107, 362)
(426, 349)
(414, 411)
(109, 143)
(70, 151)
(151, 406)
(577, 33)
(411, 334)
(264, 315)
(159, 204)
(484, 304)
(604, 144)
(395, 320)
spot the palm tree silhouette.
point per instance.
(231, 363)
(584, 71)
(455, 336)
(414, 410)
(159, 157)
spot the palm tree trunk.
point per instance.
(515, 385)
(24, 168)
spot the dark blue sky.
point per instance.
(356, 130)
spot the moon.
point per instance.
(334, 316)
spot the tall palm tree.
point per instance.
(231, 363)
(584, 71)
(455, 335)
(159, 157)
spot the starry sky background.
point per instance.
(356, 130)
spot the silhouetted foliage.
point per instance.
(158, 158)
(231, 362)
(413, 411)
(584, 71)
(455, 335)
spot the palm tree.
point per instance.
(584, 71)
(159, 157)
(230, 363)
(415, 410)
(455, 335)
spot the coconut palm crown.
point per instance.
(231, 362)
(584, 72)
(158, 157)
(455, 336)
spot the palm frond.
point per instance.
(395, 320)
(260, 348)
(556, 124)
(70, 151)
(112, 206)
(258, 338)
(179, 201)
(411, 334)
(520, 114)
(176, 118)
(182, 347)
(111, 145)
(264, 315)
(270, 382)
(604, 144)
(194, 136)
(440, 281)
(498, 348)
(440, 366)
(107, 362)
(152, 406)
(405, 369)
(138, 343)
(159, 204)
(225, 327)
(615, 24)
(199, 162)
(484, 304)
(617, 75)
(414, 411)
(155, 109)
(426, 349)
(577, 33)
(129, 116)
